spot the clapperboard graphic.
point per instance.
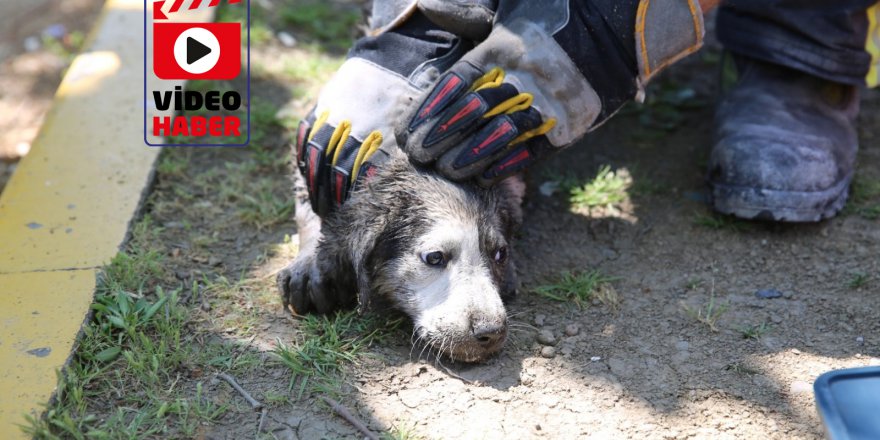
(188, 46)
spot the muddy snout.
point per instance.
(489, 334)
(484, 338)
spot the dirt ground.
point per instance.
(643, 368)
(648, 369)
(37, 42)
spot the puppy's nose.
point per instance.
(488, 334)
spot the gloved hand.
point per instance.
(549, 72)
(352, 126)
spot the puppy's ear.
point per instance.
(365, 260)
(511, 192)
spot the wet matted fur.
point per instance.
(381, 247)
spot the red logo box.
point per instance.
(227, 43)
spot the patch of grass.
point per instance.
(581, 288)
(328, 22)
(66, 47)
(259, 198)
(741, 368)
(172, 163)
(228, 357)
(721, 222)
(238, 306)
(402, 432)
(708, 313)
(129, 357)
(693, 283)
(275, 398)
(265, 206)
(607, 189)
(858, 280)
(132, 271)
(325, 347)
(755, 331)
(261, 31)
(864, 199)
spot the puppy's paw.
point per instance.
(303, 288)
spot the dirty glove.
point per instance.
(352, 126)
(549, 72)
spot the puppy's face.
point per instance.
(449, 283)
(442, 258)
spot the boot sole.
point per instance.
(780, 206)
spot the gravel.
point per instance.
(545, 337)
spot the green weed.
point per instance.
(693, 283)
(581, 288)
(858, 280)
(755, 331)
(864, 197)
(721, 222)
(172, 163)
(330, 24)
(607, 189)
(709, 313)
(229, 357)
(325, 347)
(742, 368)
(402, 432)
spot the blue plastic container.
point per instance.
(849, 403)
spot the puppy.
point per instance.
(438, 251)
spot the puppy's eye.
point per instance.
(436, 258)
(501, 255)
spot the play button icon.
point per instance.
(196, 50)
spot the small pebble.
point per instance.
(286, 39)
(795, 351)
(860, 340)
(799, 387)
(545, 337)
(548, 352)
(572, 330)
(548, 188)
(32, 44)
(206, 307)
(595, 358)
(769, 294)
(539, 320)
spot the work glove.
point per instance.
(549, 72)
(350, 131)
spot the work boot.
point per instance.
(785, 145)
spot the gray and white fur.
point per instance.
(378, 247)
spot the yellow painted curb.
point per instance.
(39, 325)
(66, 210)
